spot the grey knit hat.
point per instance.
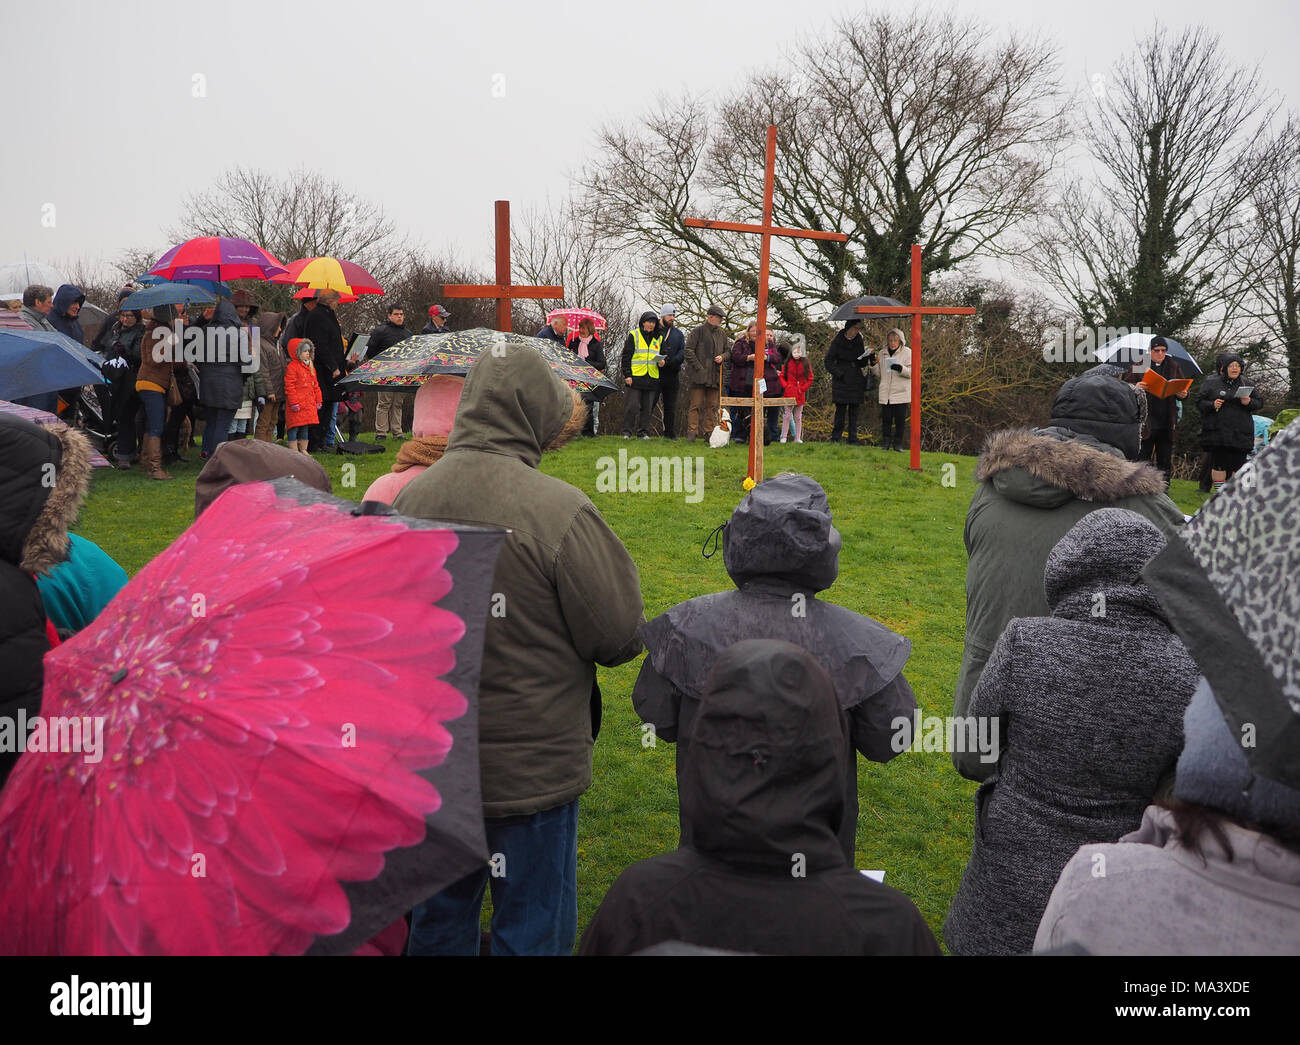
(1213, 771)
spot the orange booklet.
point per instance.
(1162, 388)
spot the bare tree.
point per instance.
(893, 130)
(1267, 253)
(300, 215)
(1173, 142)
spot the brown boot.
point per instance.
(151, 455)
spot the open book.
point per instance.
(1162, 388)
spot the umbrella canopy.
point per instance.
(18, 276)
(212, 286)
(848, 310)
(1135, 347)
(576, 316)
(414, 360)
(36, 361)
(347, 277)
(1227, 581)
(46, 419)
(286, 769)
(218, 258)
(168, 294)
(306, 293)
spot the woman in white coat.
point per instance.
(893, 369)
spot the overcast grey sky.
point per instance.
(104, 122)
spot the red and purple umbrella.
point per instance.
(217, 258)
(289, 739)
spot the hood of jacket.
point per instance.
(250, 461)
(1230, 357)
(225, 316)
(1101, 557)
(647, 317)
(34, 517)
(780, 535)
(65, 297)
(1046, 467)
(514, 404)
(1103, 407)
(765, 779)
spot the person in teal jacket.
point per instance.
(77, 589)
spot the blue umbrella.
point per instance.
(210, 285)
(168, 294)
(37, 361)
(1132, 347)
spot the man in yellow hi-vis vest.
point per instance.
(642, 357)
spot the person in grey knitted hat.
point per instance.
(1089, 705)
(1217, 870)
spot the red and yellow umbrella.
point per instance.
(346, 277)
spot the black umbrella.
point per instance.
(1228, 582)
(848, 310)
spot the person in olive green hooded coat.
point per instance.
(569, 599)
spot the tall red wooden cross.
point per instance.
(916, 310)
(502, 289)
(766, 230)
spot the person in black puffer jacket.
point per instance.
(1227, 422)
(119, 344)
(845, 361)
(34, 522)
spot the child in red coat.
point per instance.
(302, 396)
(796, 378)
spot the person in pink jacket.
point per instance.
(435, 410)
(796, 379)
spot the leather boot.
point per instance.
(151, 455)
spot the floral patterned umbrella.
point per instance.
(288, 741)
(413, 361)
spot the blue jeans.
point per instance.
(327, 420)
(155, 412)
(214, 432)
(534, 879)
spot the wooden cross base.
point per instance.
(756, 424)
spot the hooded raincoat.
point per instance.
(763, 796)
(780, 549)
(1033, 487)
(570, 597)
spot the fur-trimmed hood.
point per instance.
(44, 477)
(1046, 467)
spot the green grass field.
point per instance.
(902, 563)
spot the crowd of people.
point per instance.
(1071, 615)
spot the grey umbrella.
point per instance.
(1228, 582)
(848, 310)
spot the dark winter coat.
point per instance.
(674, 347)
(1090, 702)
(764, 872)
(1162, 414)
(34, 522)
(1232, 425)
(64, 297)
(740, 382)
(1033, 487)
(432, 328)
(704, 344)
(595, 352)
(221, 385)
(124, 342)
(780, 549)
(322, 329)
(386, 335)
(848, 382)
(547, 333)
(572, 598)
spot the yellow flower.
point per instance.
(749, 483)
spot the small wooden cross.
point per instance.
(502, 289)
(916, 310)
(766, 231)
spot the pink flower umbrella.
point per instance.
(289, 748)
